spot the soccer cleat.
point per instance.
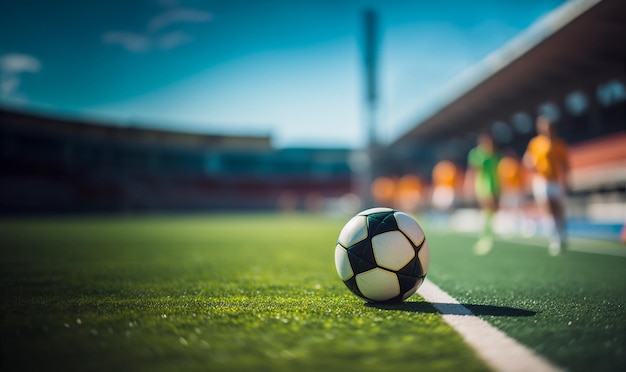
(483, 246)
(555, 248)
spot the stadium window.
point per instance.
(212, 163)
(550, 110)
(611, 93)
(240, 163)
(522, 122)
(501, 132)
(576, 103)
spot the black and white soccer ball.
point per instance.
(382, 255)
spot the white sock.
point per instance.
(551, 229)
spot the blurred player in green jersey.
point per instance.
(483, 168)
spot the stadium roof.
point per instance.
(29, 122)
(574, 47)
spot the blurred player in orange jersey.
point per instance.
(546, 156)
(445, 180)
(409, 193)
(383, 190)
(511, 175)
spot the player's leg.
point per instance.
(556, 205)
(488, 210)
(556, 243)
(542, 194)
(488, 200)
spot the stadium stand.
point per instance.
(568, 66)
(53, 165)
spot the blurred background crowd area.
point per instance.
(570, 68)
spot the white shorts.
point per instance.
(443, 197)
(511, 200)
(544, 190)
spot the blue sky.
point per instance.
(291, 69)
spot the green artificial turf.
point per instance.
(570, 308)
(222, 292)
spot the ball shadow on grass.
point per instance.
(455, 309)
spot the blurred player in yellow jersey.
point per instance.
(546, 156)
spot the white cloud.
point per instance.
(180, 15)
(17, 63)
(153, 37)
(132, 42)
(12, 66)
(173, 39)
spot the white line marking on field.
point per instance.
(498, 350)
(582, 245)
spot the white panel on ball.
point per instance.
(410, 227)
(342, 263)
(354, 231)
(424, 256)
(374, 210)
(378, 284)
(392, 250)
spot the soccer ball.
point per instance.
(382, 255)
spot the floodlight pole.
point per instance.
(370, 31)
(370, 23)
